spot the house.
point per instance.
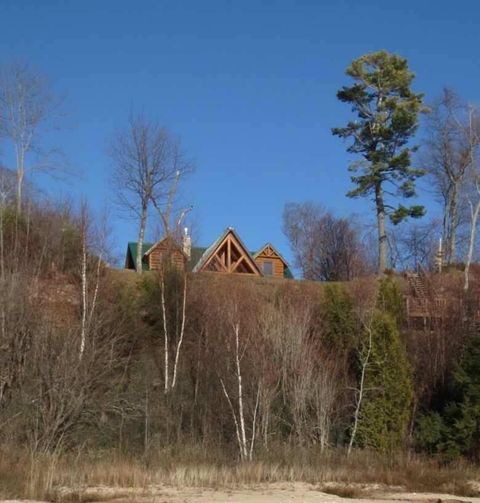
(227, 254)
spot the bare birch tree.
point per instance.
(473, 185)
(84, 284)
(364, 355)
(245, 445)
(173, 233)
(446, 158)
(28, 107)
(147, 166)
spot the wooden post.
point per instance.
(229, 255)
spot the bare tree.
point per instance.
(472, 131)
(238, 413)
(414, 245)
(148, 164)
(28, 107)
(6, 191)
(364, 356)
(84, 284)
(365, 294)
(446, 158)
(325, 247)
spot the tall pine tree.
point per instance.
(387, 117)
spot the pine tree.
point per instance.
(387, 111)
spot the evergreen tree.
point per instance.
(385, 411)
(455, 431)
(340, 326)
(391, 300)
(387, 111)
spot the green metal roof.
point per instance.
(195, 256)
(131, 257)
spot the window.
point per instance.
(268, 268)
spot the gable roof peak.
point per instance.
(210, 251)
(266, 245)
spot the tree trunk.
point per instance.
(446, 225)
(382, 234)
(452, 222)
(20, 178)
(84, 290)
(141, 234)
(165, 333)
(474, 212)
(360, 392)
(240, 393)
(182, 330)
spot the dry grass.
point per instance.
(346, 491)
(66, 477)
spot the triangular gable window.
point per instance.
(231, 257)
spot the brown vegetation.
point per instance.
(198, 379)
(67, 477)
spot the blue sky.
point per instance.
(248, 85)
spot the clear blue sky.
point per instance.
(248, 85)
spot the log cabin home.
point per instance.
(227, 255)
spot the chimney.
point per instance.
(187, 243)
(439, 256)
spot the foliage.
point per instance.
(456, 430)
(297, 342)
(391, 300)
(340, 327)
(429, 431)
(387, 110)
(387, 117)
(388, 389)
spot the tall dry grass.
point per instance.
(78, 476)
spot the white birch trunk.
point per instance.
(254, 425)
(95, 291)
(165, 334)
(141, 235)
(20, 178)
(246, 450)
(240, 392)
(182, 331)
(360, 391)
(474, 214)
(84, 291)
(237, 429)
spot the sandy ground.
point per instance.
(268, 493)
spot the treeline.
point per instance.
(93, 357)
(397, 137)
(237, 363)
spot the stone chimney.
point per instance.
(187, 243)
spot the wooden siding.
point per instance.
(278, 265)
(163, 250)
(268, 254)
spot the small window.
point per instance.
(268, 268)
